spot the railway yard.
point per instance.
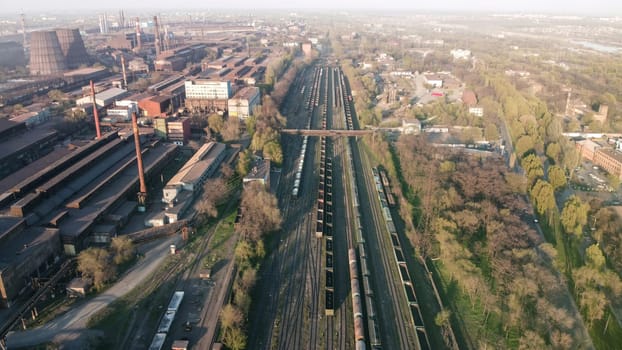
(338, 258)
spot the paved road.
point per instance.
(72, 324)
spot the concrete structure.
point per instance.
(207, 95)
(260, 172)
(460, 54)
(20, 146)
(411, 126)
(587, 148)
(306, 49)
(156, 106)
(72, 47)
(476, 111)
(244, 101)
(123, 41)
(27, 253)
(178, 130)
(138, 65)
(46, 54)
(78, 287)
(601, 114)
(203, 89)
(610, 160)
(12, 55)
(469, 98)
(121, 112)
(434, 80)
(193, 174)
(103, 99)
(170, 64)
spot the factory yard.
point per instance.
(71, 329)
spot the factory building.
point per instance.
(170, 64)
(37, 114)
(104, 98)
(84, 192)
(123, 41)
(156, 106)
(210, 95)
(203, 89)
(244, 101)
(121, 112)
(20, 146)
(176, 130)
(193, 174)
(260, 173)
(12, 54)
(27, 253)
(138, 65)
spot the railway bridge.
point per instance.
(331, 132)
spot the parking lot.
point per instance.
(590, 178)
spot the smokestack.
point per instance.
(23, 18)
(167, 45)
(139, 43)
(142, 194)
(157, 36)
(95, 115)
(124, 73)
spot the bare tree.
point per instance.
(214, 192)
(231, 317)
(231, 129)
(260, 212)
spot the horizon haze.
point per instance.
(598, 7)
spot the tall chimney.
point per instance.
(123, 70)
(142, 194)
(158, 44)
(139, 42)
(95, 114)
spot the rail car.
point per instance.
(330, 303)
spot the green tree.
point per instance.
(273, 151)
(244, 253)
(447, 167)
(244, 163)
(543, 195)
(56, 95)
(557, 177)
(215, 122)
(96, 264)
(533, 167)
(235, 339)
(491, 133)
(251, 123)
(524, 144)
(594, 257)
(574, 215)
(553, 150)
(122, 249)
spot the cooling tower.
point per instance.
(46, 56)
(73, 48)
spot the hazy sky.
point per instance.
(601, 7)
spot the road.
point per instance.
(71, 326)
